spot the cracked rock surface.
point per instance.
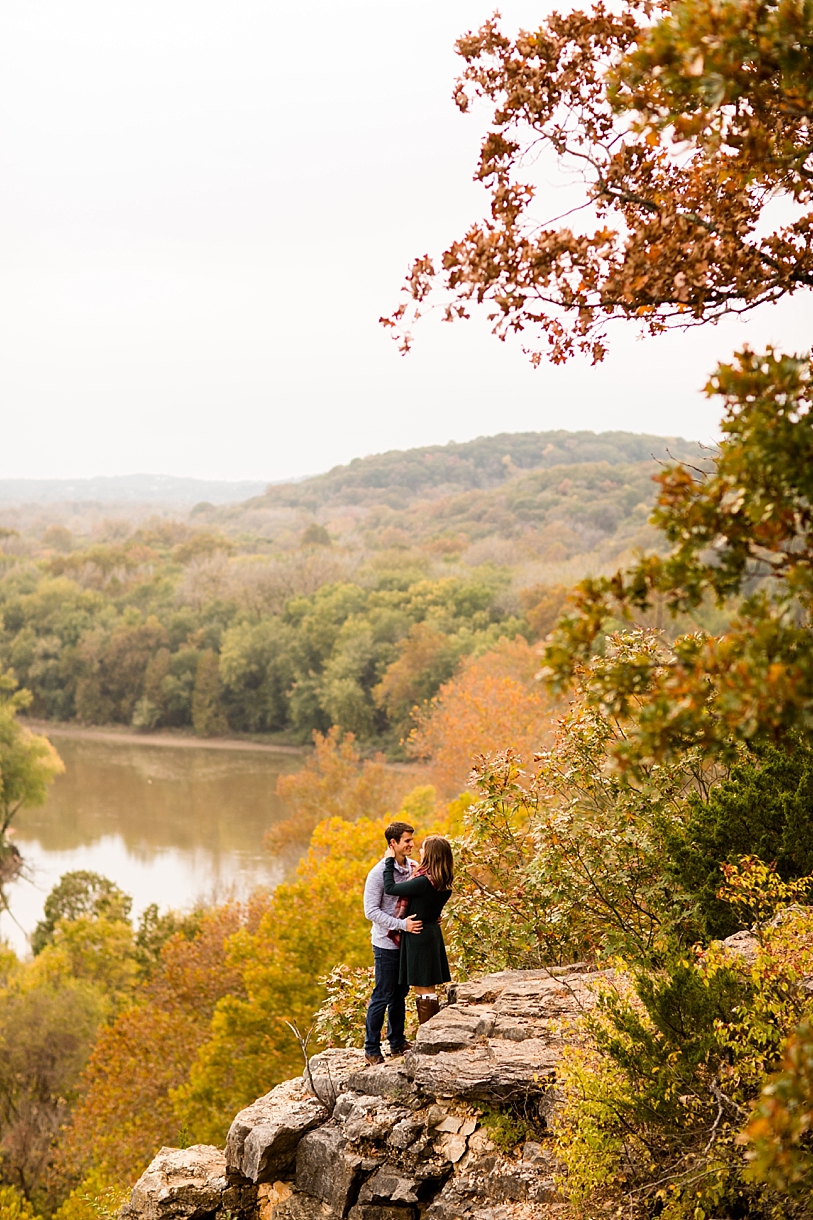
(406, 1140)
(263, 1138)
(188, 1183)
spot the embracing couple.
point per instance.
(404, 901)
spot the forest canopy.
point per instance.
(320, 603)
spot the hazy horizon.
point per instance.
(205, 209)
(260, 483)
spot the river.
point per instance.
(170, 824)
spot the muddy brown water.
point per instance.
(171, 824)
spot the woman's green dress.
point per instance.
(423, 954)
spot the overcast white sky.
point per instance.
(205, 207)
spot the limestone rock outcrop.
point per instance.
(501, 1034)
(263, 1138)
(187, 1184)
(407, 1140)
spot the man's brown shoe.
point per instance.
(400, 1051)
(373, 1060)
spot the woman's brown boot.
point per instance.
(427, 1006)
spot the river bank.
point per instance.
(178, 739)
(122, 735)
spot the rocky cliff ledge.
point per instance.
(407, 1140)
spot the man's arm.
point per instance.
(373, 893)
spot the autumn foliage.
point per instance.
(681, 122)
(335, 782)
(494, 698)
(741, 535)
(611, 829)
(151, 1046)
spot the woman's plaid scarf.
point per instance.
(402, 906)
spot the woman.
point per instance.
(423, 961)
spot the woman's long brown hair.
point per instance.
(438, 861)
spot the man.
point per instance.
(388, 994)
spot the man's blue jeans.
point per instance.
(388, 995)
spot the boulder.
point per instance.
(327, 1169)
(327, 1074)
(262, 1140)
(269, 1197)
(405, 1133)
(450, 1204)
(303, 1207)
(489, 1186)
(489, 987)
(491, 1073)
(456, 1124)
(451, 1147)
(366, 1119)
(452, 1028)
(493, 1178)
(352, 1104)
(184, 1184)
(383, 1079)
(743, 944)
(502, 1036)
(389, 1184)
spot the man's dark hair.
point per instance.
(396, 829)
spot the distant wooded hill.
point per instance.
(401, 476)
(130, 488)
(516, 499)
(344, 600)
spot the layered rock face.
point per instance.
(408, 1140)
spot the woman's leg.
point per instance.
(426, 1003)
